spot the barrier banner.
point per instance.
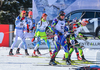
(4, 36)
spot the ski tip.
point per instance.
(35, 56)
(18, 54)
(13, 55)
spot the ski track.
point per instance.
(24, 63)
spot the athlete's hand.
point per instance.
(55, 37)
(75, 35)
(28, 30)
(65, 34)
(85, 37)
(80, 35)
(33, 39)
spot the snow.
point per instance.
(24, 63)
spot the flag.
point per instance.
(34, 10)
(50, 2)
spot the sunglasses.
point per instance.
(62, 14)
(24, 13)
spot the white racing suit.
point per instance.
(19, 31)
(30, 34)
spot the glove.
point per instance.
(85, 37)
(27, 28)
(65, 34)
(55, 38)
(80, 35)
(33, 27)
(33, 39)
(75, 35)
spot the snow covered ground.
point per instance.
(24, 63)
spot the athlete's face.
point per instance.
(62, 17)
(84, 24)
(30, 16)
(45, 17)
(23, 14)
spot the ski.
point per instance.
(44, 53)
(18, 54)
(58, 65)
(35, 57)
(13, 55)
(39, 56)
(86, 62)
(95, 62)
(64, 63)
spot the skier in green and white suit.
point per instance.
(41, 34)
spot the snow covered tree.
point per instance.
(9, 11)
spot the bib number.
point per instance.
(62, 27)
(21, 24)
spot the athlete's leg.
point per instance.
(48, 44)
(36, 48)
(38, 43)
(70, 52)
(41, 36)
(76, 50)
(80, 51)
(12, 46)
(24, 43)
(77, 53)
(55, 52)
(65, 47)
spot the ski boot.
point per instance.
(34, 53)
(26, 52)
(68, 62)
(69, 58)
(10, 52)
(83, 59)
(79, 58)
(17, 52)
(38, 51)
(64, 57)
(52, 62)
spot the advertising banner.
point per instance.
(4, 35)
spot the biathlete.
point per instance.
(29, 30)
(68, 38)
(69, 46)
(41, 34)
(61, 31)
(75, 29)
(20, 23)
